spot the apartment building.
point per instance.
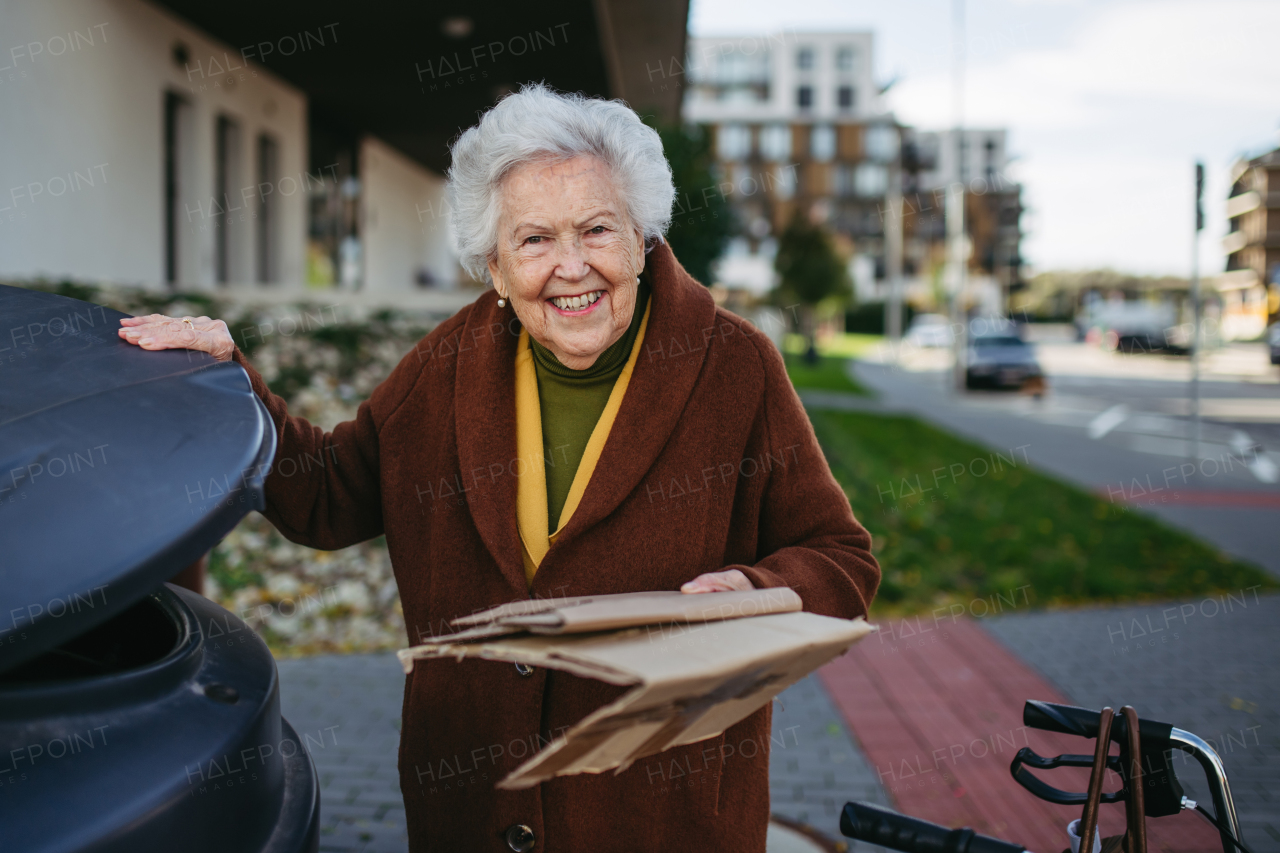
(797, 125)
(1250, 286)
(800, 124)
(978, 159)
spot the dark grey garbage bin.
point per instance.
(134, 715)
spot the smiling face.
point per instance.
(568, 257)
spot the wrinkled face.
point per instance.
(568, 257)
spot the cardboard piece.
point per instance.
(692, 679)
(629, 610)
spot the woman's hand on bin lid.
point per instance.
(727, 581)
(157, 332)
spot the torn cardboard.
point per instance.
(696, 668)
(628, 610)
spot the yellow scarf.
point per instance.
(531, 490)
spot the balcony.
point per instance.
(1242, 204)
(1234, 242)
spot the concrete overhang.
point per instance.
(416, 74)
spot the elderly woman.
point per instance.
(595, 424)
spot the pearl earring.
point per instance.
(502, 302)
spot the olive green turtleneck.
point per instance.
(572, 402)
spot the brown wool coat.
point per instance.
(711, 463)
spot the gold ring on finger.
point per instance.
(187, 320)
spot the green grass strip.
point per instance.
(954, 522)
(828, 374)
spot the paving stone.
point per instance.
(1210, 666)
(819, 766)
(354, 703)
(361, 810)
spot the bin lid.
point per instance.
(118, 466)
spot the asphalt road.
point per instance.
(1119, 426)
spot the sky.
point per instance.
(1108, 106)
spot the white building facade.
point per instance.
(781, 77)
(139, 150)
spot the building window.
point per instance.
(740, 68)
(844, 58)
(733, 141)
(881, 143)
(226, 147)
(742, 95)
(870, 180)
(268, 171)
(805, 59)
(738, 78)
(177, 114)
(822, 142)
(844, 98)
(775, 142)
(784, 182)
(804, 97)
(845, 180)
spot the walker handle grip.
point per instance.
(873, 824)
(1072, 720)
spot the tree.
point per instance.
(701, 220)
(809, 270)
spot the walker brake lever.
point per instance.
(1047, 792)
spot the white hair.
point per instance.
(538, 123)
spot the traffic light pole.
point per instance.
(1196, 338)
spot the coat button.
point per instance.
(520, 838)
(524, 670)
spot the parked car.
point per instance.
(1273, 342)
(998, 358)
(930, 330)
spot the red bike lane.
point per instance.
(937, 710)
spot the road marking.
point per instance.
(1264, 469)
(1261, 466)
(1108, 420)
(1199, 497)
(1241, 443)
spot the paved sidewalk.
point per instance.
(816, 765)
(360, 804)
(1209, 666)
(820, 766)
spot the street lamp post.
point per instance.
(957, 254)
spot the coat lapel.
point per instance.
(484, 405)
(671, 358)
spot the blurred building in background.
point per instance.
(978, 159)
(797, 125)
(266, 148)
(1250, 286)
(800, 126)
